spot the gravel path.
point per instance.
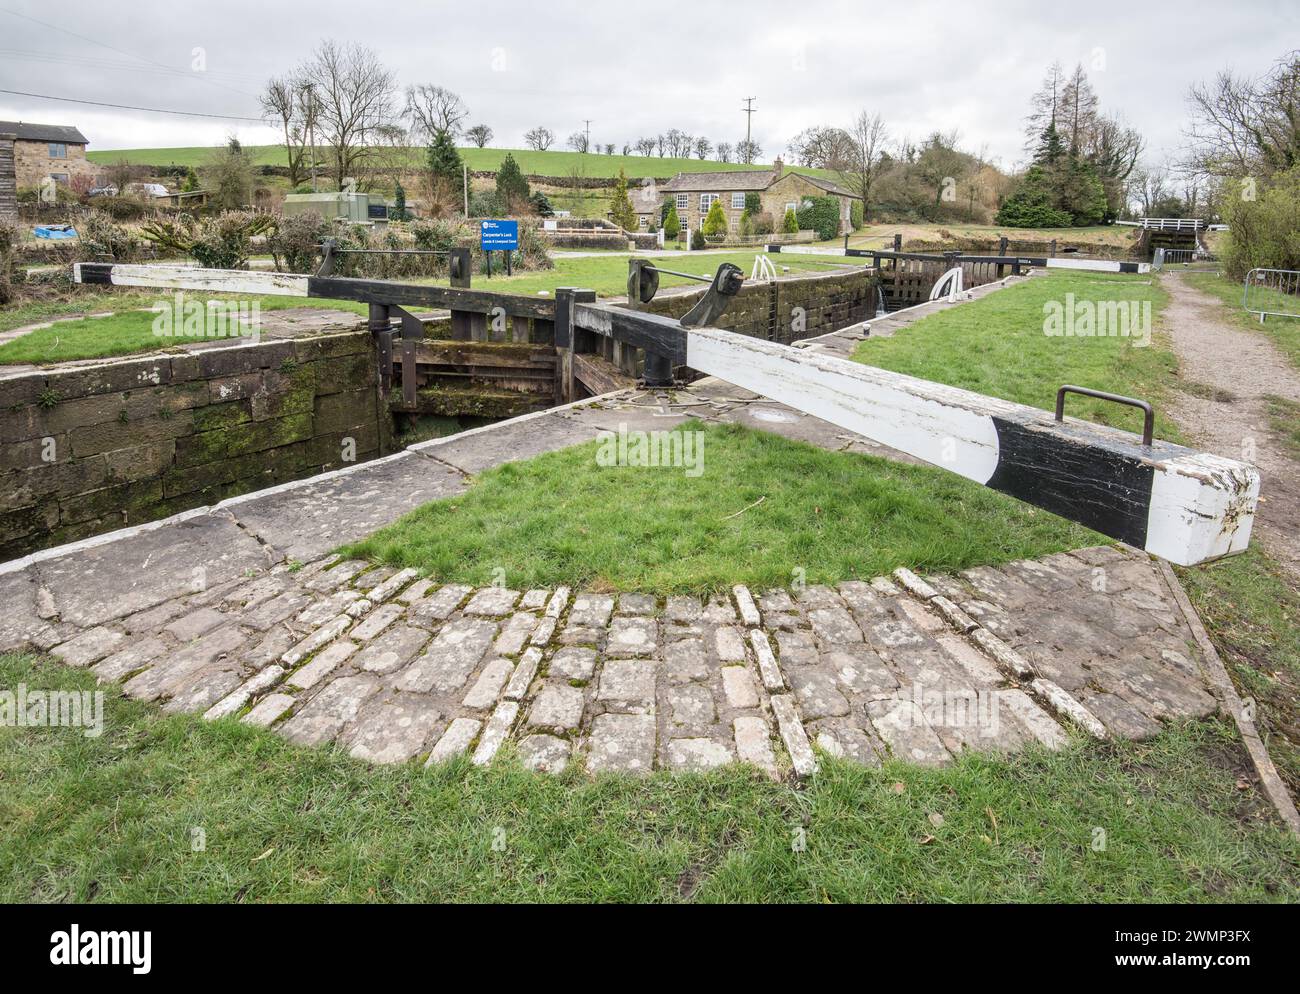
(1244, 369)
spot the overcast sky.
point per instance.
(638, 68)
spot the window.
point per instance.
(58, 150)
(706, 201)
(737, 201)
(60, 178)
(683, 200)
(790, 205)
(735, 224)
(642, 221)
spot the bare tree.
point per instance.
(822, 147)
(355, 104)
(432, 109)
(579, 141)
(609, 148)
(1148, 186)
(645, 146)
(480, 135)
(703, 147)
(723, 151)
(661, 145)
(1045, 105)
(539, 138)
(861, 163)
(748, 150)
(1242, 126)
(288, 104)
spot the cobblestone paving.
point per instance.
(393, 667)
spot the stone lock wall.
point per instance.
(87, 449)
(768, 310)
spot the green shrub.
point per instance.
(698, 241)
(1263, 231)
(294, 244)
(715, 221)
(791, 223)
(856, 214)
(220, 242)
(101, 239)
(820, 214)
(753, 204)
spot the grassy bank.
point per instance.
(112, 818)
(552, 162)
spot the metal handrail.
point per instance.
(1287, 282)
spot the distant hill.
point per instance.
(550, 163)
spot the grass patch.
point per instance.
(127, 331)
(561, 518)
(996, 346)
(1253, 615)
(110, 819)
(1284, 419)
(1285, 332)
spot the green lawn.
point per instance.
(561, 518)
(124, 333)
(997, 346)
(1285, 332)
(131, 332)
(112, 818)
(553, 162)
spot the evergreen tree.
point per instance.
(620, 207)
(399, 211)
(444, 159)
(672, 226)
(1050, 148)
(512, 185)
(791, 224)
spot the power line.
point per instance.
(113, 64)
(119, 51)
(147, 110)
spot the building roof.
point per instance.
(43, 132)
(733, 179)
(830, 186)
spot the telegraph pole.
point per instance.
(587, 146)
(749, 117)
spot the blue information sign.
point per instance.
(498, 235)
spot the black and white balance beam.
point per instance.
(1176, 503)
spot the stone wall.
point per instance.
(86, 449)
(787, 309)
(8, 178)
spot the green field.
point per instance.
(548, 163)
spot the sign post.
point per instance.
(498, 234)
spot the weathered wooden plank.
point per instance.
(600, 376)
(191, 278)
(1176, 503)
(660, 335)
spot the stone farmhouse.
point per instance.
(42, 150)
(778, 191)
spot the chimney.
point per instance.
(778, 167)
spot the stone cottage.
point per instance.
(42, 150)
(778, 191)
